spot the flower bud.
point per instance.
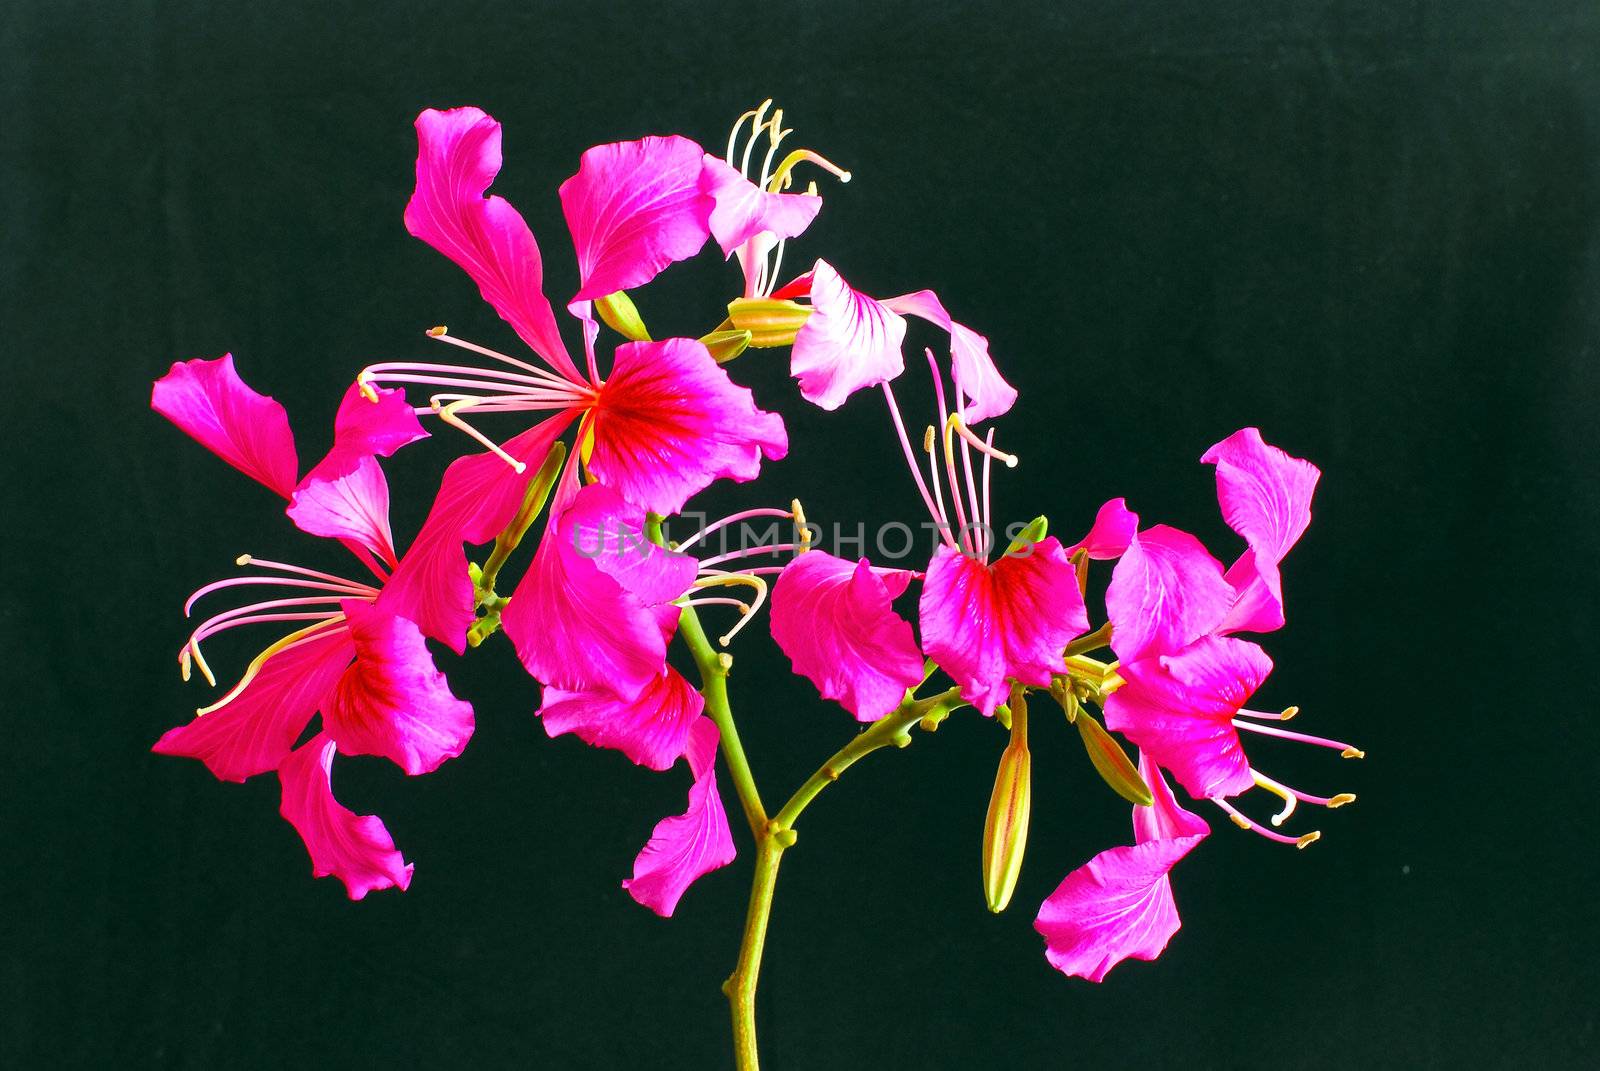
(724, 346)
(1111, 762)
(622, 316)
(1005, 829)
(770, 322)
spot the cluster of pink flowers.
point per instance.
(599, 460)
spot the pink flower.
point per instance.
(834, 620)
(1119, 905)
(1113, 530)
(685, 847)
(852, 341)
(633, 208)
(366, 670)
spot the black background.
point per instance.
(1369, 228)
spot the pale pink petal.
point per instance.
(984, 624)
(458, 156)
(988, 394)
(1179, 710)
(652, 729)
(352, 506)
(834, 620)
(249, 431)
(478, 497)
(576, 627)
(1117, 906)
(1265, 496)
(356, 849)
(669, 421)
(1113, 529)
(1164, 819)
(1166, 591)
(607, 529)
(744, 210)
(393, 701)
(365, 428)
(255, 731)
(686, 846)
(633, 208)
(850, 341)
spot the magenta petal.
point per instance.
(1164, 819)
(669, 421)
(1257, 597)
(574, 625)
(458, 156)
(850, 341)
(988, 394)
(744, 210)
(686, 846)
(1113, 529)
(834, 620)
(249, 431)
(608, 530)
(352, 506)
(256, 730)
(633, 208)
(1117, 906)
(652, 729)
(357, 849)
(478, 497)
(1166, 591)
(985, 623)
(392, 701)
(1179, 710)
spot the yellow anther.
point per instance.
(1341, 799)
(1309, 839)
(1241, 821)
(1288, 712)
(438, 332)
(243, 559)
(1352, 753)
(927, 440)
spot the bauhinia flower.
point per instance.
(1173, 608)
(665, 422)
(366, 670)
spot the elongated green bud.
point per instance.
(726, 345)
(622, 316)
(1005, 830)
(770, 323)
(534, 498)
(1110, 761)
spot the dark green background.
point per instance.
(1368, 227)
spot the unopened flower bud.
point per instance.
(1005, 830)
(622, 316)
(1110, 761)
(770, 322)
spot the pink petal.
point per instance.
(973, 370)
(392, 701)
(669, 421)
(834, 620)
(1179, 709)
(249, 431)
(985, 623)
(850, 341)
(352, 506)
(608, 530)
(1117, 906)
(458, 156)
(478, 497)
(1266, 497)
(574, 625)
(652, 729)
(744, 210)
(357, 849)
(1165, 592)
(686, 846)
(633, 208)
(363, 428)
(256, 730)
(1114, 528)
(1164, 819)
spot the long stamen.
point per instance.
(442, 334)
(733, 135)
(294, 639)
(776, 135)
(963, 536)
(988, 517)
(448, 415)
(733, 518)
(780, 179)
(543, 380)
(911, 462)
(1282, 792)
(981, 539)
(204, 632)
(983, 446)
(263, 563)
(1303, 841)
(1284, 715)
(750, 552)
(760, 120)
(342, 589)
(746, 577)
(1346, 750)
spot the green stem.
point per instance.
(741, 984)
(713, 666)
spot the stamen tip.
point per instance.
(1288, 712)
(844, 176)
(1352, 753)
(1341, 799)
(1277, 820)
(438, 332)
(724, 639)
(1309, 839)
(1239, 820)
(243, 559)
(927, 439)
(1011, 461)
